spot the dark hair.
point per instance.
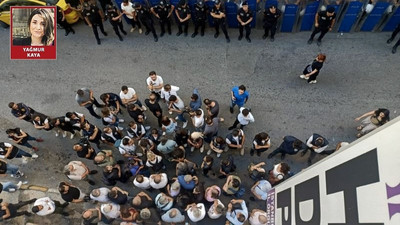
(124, 88)
(68, 115)
(386, 112)
(195, 97)
(235, 132)
(113, 194)
(285, 168)
(61, 187)
(131, 123)
(48, 29)
(165, 120)
(241, 218)
(80, 92)
(167, 87)
(321, 57)
(8, 131)
(209, 120)
(154, 131)
(172, 98)
(319, 142)
(105, 111)
(207, 101)
(11, 104)
(242, 87)
(208, 158)
(125, 212)
(198, 112)
(139, 178)
(152, 73)
(245, 112)
(103, 97)
(125, 141)
(35, 209)
(220, 140)
(261, 136)
(235, 183)
(297, 143)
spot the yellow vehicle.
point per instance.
(70, 15)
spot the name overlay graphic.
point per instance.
(33, 32)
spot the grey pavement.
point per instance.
(360, 75)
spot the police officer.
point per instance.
(63, 22)
(94, 18)
(114, 17)
(163, 12)
(271, 16)
(200, 16)
(183, 15)
(244, 17)
(218, 14)
(324, 21)
(144, 16)
(395, 32)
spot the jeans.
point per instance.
(12, 169)
(9, 185)
(181, 118)
(25, 142)
(22, 153)
(91, 110)
(233, 103)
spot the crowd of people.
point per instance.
(159, 160)
(139, 14)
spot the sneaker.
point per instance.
(176, 118)
(140, 31)
(98, 42)
(147, 127)
(72, 135)
(179, 33)
(35, 156)
(192, 149)
(394, 49)
(91, 182)
(144, 108)
(170, 113)
(248, 39)
(64, 134)
(19, 174)
(310, 41)
(231, 109)
(389, 41)
(218, 155)
(132, 29)
(313, 82)
(120, 128)
(194, 35)
(231, 128)
(57, 133)
(209, 152)
(19, 184)
(13, 189)
(240, 38)
(264, 37)
(216, 35)
(272, 39)
(39, 140)
(202, 149)
(121, 120)
(162, 34)
(242, 151)
(319, 42)
(303, 76)
(228, 40)
(184, 124)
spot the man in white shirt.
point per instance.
(258, 217)
(45, 206)
(127, 147)
(316, 144)
(129, 11)
(244, 117)
(128, 96)
(235, 140)
(167, 91)
(155, 83)
(158, 181)
(76, 170)
(173, 216)
(237, 216)
(141, 182)
(100, 194)
(177, 105)
(216, 209)
(110, 210)
(260, 190)
(196, 212)
(198, 120)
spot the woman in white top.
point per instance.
(174, 189)
(216, 210)
(196, 212)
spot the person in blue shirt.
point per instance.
(239, 97)
(195, 100)
(290, 145)
(188, 182)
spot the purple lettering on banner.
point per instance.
(271, 207)
(393, 209)
(393, 191)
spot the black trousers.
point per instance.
(184, 25)
(117, 25)
(236, 123)
(94, 28)
(163, 22)
(90, 108)
(67, 27)
(14, 207)
(312, 77)
(135, 23)
(200, 23)
(270, 27)
(323, 31)
(395, 32)
(247, 27)
(149, 24)
(313, 153)
(221, 24)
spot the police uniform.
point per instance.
(112, 12)
(324, 24)
(270, 22)
(395, 32)
(200, 17)
(92, 14)
(244, 17)
(144, 16)
(162, 10)
(183, 12)
(63, 23)
(219, 22)
(22, 110)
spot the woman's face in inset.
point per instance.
(36, 26)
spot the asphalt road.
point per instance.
(360, 75)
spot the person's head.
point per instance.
(132, 124)
(163, 199)
(154, 131)
(165, 120)
(124, 89)
(175, 186)
(383, 113)
(330, 11)
(151, 156)
(63, 187)
(219, 209)
(242, 89)
(208, 159)
(215, 193)
(104, 97)
(110, 8)
(37, 208)
(173, 98)
(157, 178)
(225, 162)
(220, 140)
(272, 9)
(113, 193)
(240, 217)
(68, 169)
(86, 5)
(99, 158)
(194, 97)
(245, 6)
(132, 107)
(153, 74)
(144, 143)
(12, 105)
(152, 97)
(188, 178)
(207, 101)
(145, 214)
(235, 132)
(107, 207)
(263, 219)
(182, 3)
(209, 120)
(196, 212)
(196, 135)
(262, 136)
(107, 130)
(319, 142)
(11, 131)
(284, 168)
(200, 3)
(182, 132)
(136, 5)
(172, 213)
(80, 92)
(70, 115)
(126, 2)
(139, 178)
(41, 26)
(297, 144)
(163, 140)
(162, 3)
(167, 87)
(321, 57)
(198, 113)
(217, 3)
(105, 111)
(95, 192)
(235, 183)
(245, 112)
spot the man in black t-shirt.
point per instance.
(70, 193)
(154, 107)
(218, 14)
(183, 15)
(271, 16)
(244, 17)
(200, 17)
(94, 18)
(324, 21)
(163, 12)
(114, 17)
